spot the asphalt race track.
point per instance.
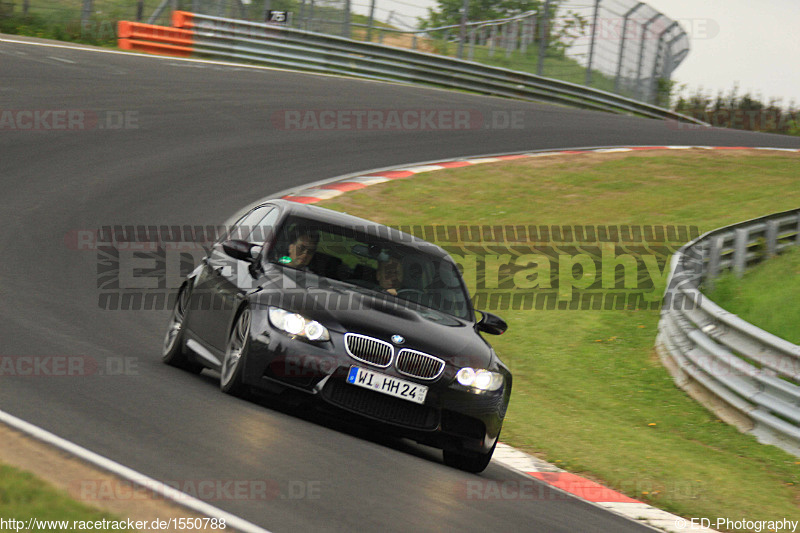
(197, 143)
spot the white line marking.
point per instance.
(131, 475)
(62, 60)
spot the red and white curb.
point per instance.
(592, 492)
(334, 187)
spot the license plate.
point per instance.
(399, 388)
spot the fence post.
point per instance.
(647, 24)
(511, 41)
(622, 43)
(462, 30)
(86, 13)
(591, 44)
(544, 33)
(472, 38)
(346, 22)
(661, 56)
(371, 20)
(264, 12)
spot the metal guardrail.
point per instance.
(746, 376)
(286, 47)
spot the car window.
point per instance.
(251, 226)
(372, 263)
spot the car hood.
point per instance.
(344, 308)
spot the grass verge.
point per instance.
(766, 295)
(24, 496)
(589, 392)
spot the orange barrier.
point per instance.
(182, 19)
(155, 48)
(154, 39)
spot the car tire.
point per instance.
(230, 376)
(473, 462)
(174, 353)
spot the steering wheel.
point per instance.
(410, 291)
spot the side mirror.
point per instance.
(491, 324)
(241, 250)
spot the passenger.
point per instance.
(390, 275)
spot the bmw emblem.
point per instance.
(398, 339)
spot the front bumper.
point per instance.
(452, 416)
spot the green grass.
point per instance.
(589, 392)
(23, 496)
(766, 295)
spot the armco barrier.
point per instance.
(290, 48)
(746, 376)
(154, 39)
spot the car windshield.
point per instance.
(367, 259)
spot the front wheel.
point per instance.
(173, 352)
(230, 379)
(474, 462)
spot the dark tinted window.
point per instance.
(370, 261)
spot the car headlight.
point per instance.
(479, 379)
(298, 325)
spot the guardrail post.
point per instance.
(714, 253)
(742, 235)
(797, 237)
(772, 238)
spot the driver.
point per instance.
(390, 275)
(302, 248)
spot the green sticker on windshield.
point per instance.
(285, 260)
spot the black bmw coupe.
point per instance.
(364, 317)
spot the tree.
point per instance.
(561, 31)
(448, 12)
